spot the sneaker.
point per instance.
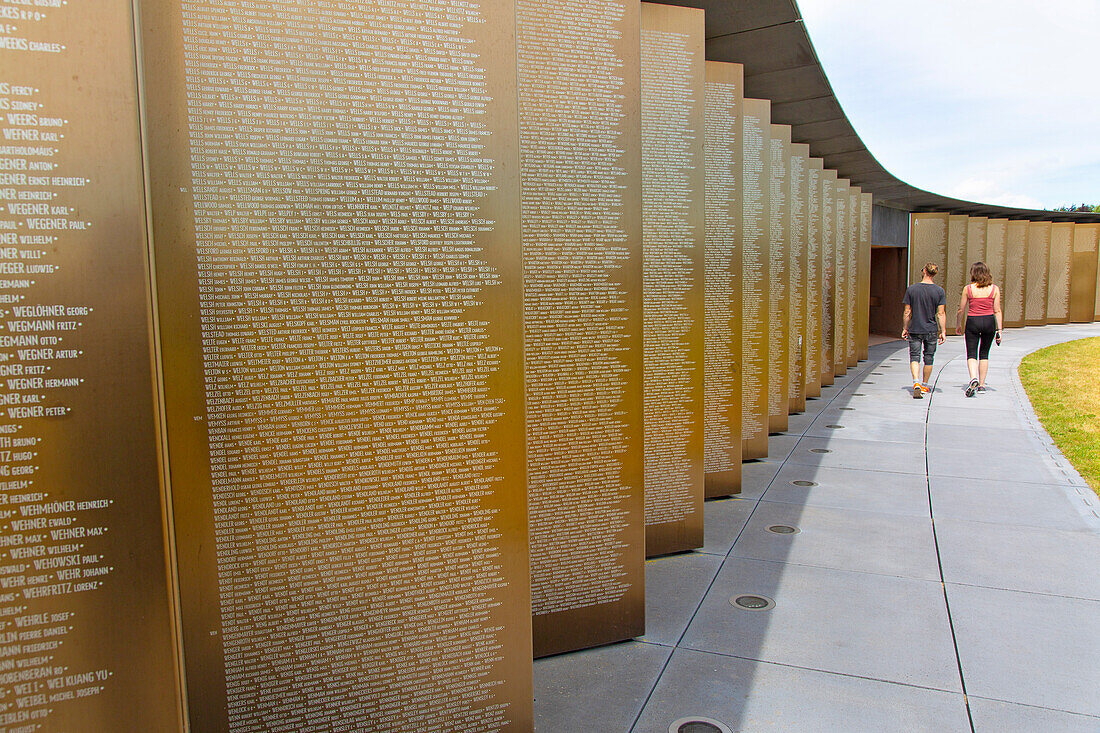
(981, 388)
(972, 388)
(925, 388)
(918, 391)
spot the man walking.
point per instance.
(924, 325)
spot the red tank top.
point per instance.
(980, 306)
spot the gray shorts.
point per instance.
(925, 341)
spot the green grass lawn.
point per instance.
(1063, 382)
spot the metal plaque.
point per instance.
(1059, 263)
(335, 198)
(815, 258)
(779, 255)
(755, 276)
(958, 269)
(977, 229)
(927, 243)
(1083, 299)
(672, 287)
(828, 274)
(724, 328)
(841, 289)
(88, 634)
(996, 237)
(1038, 273)
(1015, 282)
(855, 206)
(799, 281)
(580, 137)
(863, 326)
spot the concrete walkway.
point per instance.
(944, 576)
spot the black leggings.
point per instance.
(979, 334)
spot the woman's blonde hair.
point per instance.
(980, 274)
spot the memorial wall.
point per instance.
(977, 230)
(1060, 261)
(815, 277)
(996, 238)
(338, 337)
(755, 276)
(335, 221)
(863, 310)
(724, 324)
(840, 276)
(1015, 282)
(1037, 276)
(828, 274)
(673, 270)
(957, 273)
(88, 636)
(580, 140)
(1084, 275)
(800, 293)
(779, 286)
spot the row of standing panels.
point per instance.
(1046, 271)
(294, 443)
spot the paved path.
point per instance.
(945, 576)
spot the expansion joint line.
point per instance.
(936, 542)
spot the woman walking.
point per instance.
(981, 306)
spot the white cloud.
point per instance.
(995, 98)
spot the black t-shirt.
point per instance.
(923, 299)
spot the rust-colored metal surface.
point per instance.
(1038, 273)
(855, 208)
(815, 276)
(841, 290)
(1059, 263)
(779, 285)
(863, 325)
(673, 270)
(957, 274)
(799, 279)
(755, 276)
(580, 137)
(335, 198)
(724, 327)
(88, 640)
(996, 238)
(1083, 276)
(1015, 282)
(828, 274)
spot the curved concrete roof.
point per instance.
(770, 39)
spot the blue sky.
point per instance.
(997, 102)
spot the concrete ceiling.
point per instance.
(769, 38)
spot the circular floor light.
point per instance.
(697, 724)
(802, 482)
(783, 529)
(752, 602)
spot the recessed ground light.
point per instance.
(846, 408)
(752, 602)
(820, 450)
(696, 724)
(868, 382)
(835, 427)
(801, 482)
(877, 373)
(783, 529)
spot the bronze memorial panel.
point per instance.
(335, 198)
(863, 327)
(855, 208)
(996, 233)
(977, 232)
(755, 274)
(779, 302)
(828, 274)
(88, 639)
(1082, 294)
(1015, 282)
(840, 276)
(799, 263)
(815, 259)
(927, 243)
(580, 135)
(957, 273)
(672, 287)
(1038, 273)
(1060, 262)
(722, 146)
